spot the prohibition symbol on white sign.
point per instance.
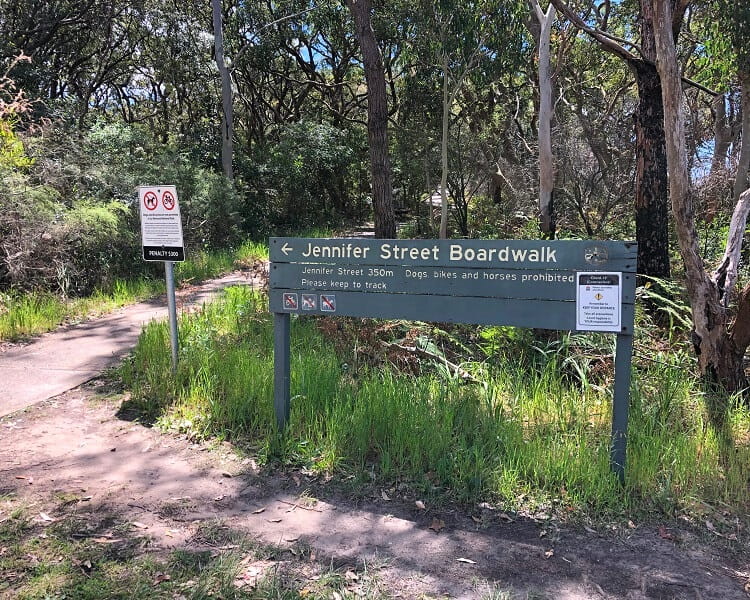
(309, 301)
(150, 201)
(327, 303)
(167, 200)
(290, 301)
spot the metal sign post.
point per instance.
(161, 236)
(172, 309)
(570, 285)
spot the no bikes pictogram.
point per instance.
(150, 201)
(167, 200)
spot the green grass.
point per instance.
(24, 315)
(534, 433)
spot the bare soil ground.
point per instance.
(81, 448)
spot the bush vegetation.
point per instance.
(525, 421)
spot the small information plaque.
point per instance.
(599, 301)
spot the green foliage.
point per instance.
(538, 426)
(12, 151)
(28, 314)
(72, 215)
(302, 178)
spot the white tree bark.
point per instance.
(546, 161)
(444, 153)
(743, 165)
(227, 105)
(722, 135)
(719, 345)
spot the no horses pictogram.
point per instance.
(150, 201)
(167, 200)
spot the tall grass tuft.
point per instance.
(538, 431)
(32, 313)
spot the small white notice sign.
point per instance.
(598, 301)
(161, 226)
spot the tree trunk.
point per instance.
(652, 200)
(722, 135)
(722, 143)
(546, 162)
(227, 106)
(377, 120)
(743, 165)
(719, 356)
(651, 191)
(444, 154)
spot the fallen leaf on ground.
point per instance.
(351, 576)
(665, 535)
(226, 474)
(45, 517)
(476, 519)
(420, 505)
(291, 539)
(161, 578)
(505, 517)
(383, 495)
(139, 525)
(259, 510)
(437, 524)
(274, 520)
(106, 540)
(466, 560)
(549, 553)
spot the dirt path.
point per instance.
(63, 359)
(77, 445)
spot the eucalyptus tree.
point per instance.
(734, 18)
(227, 97)
(720, 336)
(608, 23)
(78, 50)
(377, 119)
(469, 46)
(542, 31)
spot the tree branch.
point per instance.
(608, 41)
(700, 86)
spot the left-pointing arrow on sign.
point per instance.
(286, 249)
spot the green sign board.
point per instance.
(571, 285)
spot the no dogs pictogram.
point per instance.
(150, 201)
(167, 200)
(161, 226)
(309, 301)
